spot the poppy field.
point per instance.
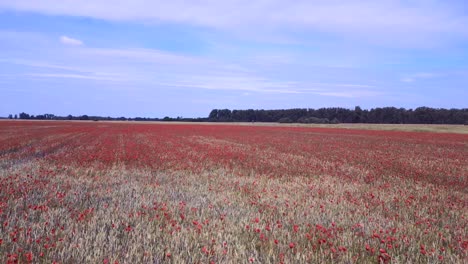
(103, 192)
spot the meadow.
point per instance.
(103, 192)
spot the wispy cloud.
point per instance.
(235, 82)
(142, 55)
(75, 76)
(344, 85)
(149, 73)
(168, 70)
(351, 94)
(42, 65)
(407, 80)
(422, 75)
(427, 75)
(405, 22)
(70, 41)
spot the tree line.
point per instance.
(330, 115)
(26, 116)
(380, 115)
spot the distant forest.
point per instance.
(384, 115)
(331, 115)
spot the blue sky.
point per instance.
(184, 58)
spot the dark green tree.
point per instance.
(23, 115)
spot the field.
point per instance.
(97, 192)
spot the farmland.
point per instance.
(97, 192)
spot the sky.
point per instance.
(183, 58)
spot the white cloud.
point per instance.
(70, 41)
(234, 81)
(344, 85)
(39, 64)
(423, 75)
(143, 55)
(407, 79)
(143, 67)
(152, 69)
(427, 75)
(337, 94)
(351, 94)
(74, 76)
(383, 21)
